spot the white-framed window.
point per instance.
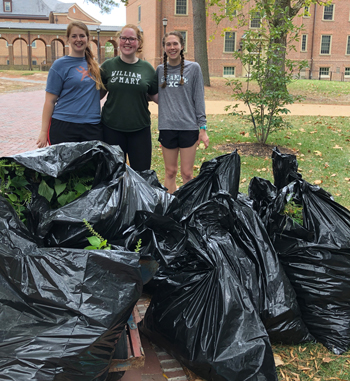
(255, 20)
(228, 8)
(7, 44)
(306, 12)
(181, 7)
(325, 44)
(303, 43)
(34, 44)
(347, 72)
(184, 36)
(324, 72)
(139, 13)
(230, 42)
(348, 46)
(34, 62)
(229, 71)
(328, 12)
(7, 62)
(8, 6)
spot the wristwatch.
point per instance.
(203, 128)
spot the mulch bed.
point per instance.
(254, 149)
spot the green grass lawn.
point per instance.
(321, 144)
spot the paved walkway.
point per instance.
(20, 117)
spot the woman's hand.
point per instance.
(203, 136)
(42, 139)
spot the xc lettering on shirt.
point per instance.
(173, 80)
(126, 77)
(84, 73)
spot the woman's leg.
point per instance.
(187, 157)
(170, 157)
(140, 149)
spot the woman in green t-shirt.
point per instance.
(125, 116)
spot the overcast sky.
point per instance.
(116, 18)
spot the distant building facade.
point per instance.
(32, 33)
(324, 42)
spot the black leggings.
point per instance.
(137, 145)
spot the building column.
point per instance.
(103, 53)
(48, 54)
(11, 57)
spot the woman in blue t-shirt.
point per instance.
(71, 110)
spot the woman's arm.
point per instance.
(103, 93)
(49, 105)
(153, 98)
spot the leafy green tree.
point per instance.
(264, 56)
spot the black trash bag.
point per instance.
(61, 309)
(109, 207)
(234, 229)
(221, 173)
(202, 315)
(285, 168)
(88, 163)
(268, 201)
(163, 239)
(61, 158)
(316, 258)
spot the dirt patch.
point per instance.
(254, 149)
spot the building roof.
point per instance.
(39, 8)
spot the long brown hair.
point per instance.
(138, 35)
(93, 67)
(165, 58)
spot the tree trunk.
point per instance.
(200, 38)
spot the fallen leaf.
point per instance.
(337, 147)
(243, 180)
(246, 135)
(278, 360)
(313, 132)
(327, 360)
(318, 182)
(334, 174)
(318, 153)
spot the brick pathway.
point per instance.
(20, 121)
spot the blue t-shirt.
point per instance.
(78, 99)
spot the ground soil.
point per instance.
(254, 149)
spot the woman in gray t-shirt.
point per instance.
(181, 110)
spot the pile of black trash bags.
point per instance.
(235, 273)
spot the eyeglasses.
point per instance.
(130, 39)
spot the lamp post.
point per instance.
(98, 30)
(165, 23)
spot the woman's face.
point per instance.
(78, 41)
(172, 48)
(128, 42)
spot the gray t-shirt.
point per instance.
(181, 107)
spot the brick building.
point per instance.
(324, 42)
(32, 32)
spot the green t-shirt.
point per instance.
(126, 107)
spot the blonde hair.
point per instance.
(93, 67)
(165, 57)
(138, 35)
